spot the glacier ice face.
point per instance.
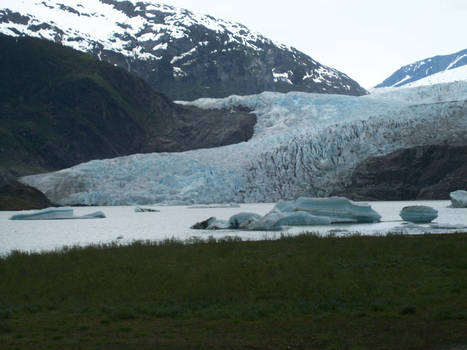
(418, 214)
(459, 199)
(304, 145)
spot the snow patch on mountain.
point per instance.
(304, 144)
(455, 74)
(425, 68)
(101, 22)
(143, 36)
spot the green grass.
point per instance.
(394, 292)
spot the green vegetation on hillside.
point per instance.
(59, 107)
(394, 292)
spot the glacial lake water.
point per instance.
(124, 226)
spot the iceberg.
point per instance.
(242, 220)
(211, 224)
(337, 209)
(459, 199)
(418, 214)
(146, 210)
(302, 218)
(302, 212)
(56, 214)
(268, 222)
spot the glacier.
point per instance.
(304, 144)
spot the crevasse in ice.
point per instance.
(304, 145)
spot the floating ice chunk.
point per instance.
(268, 222)
(302, 218)
(145, 210)
(242, 220)
(302, 212)
(338, 209)
(46, 214)
(459, 199)
(285, 207)
(419, 214)
(211, 224)
(65, 213)
(94, 215)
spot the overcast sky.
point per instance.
(366, 39)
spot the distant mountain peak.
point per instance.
(181, 53)
(425, 68)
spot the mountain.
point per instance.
(60, 107)
(303, 145)
(424, 172)
(16, 196)
(183, 54)
(428, 67)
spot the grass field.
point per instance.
(306, 292)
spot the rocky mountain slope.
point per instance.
(60, 107)
(16, 196)
(425, 68)
(424, 172)
(183, 54)
(303, 144)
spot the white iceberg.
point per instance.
(418, 214)
(65, 213)
(459, 199)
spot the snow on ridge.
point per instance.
(305, 144)
(407, 77)
(453, 63)
(446, 76)
(453, 75)
(86, 23)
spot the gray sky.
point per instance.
(366, 39)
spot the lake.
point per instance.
(123, 225)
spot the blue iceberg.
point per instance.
(243, 220)
(65, 213)
(337, 209)
(302, 212)
(418, 214)
(302, 218)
